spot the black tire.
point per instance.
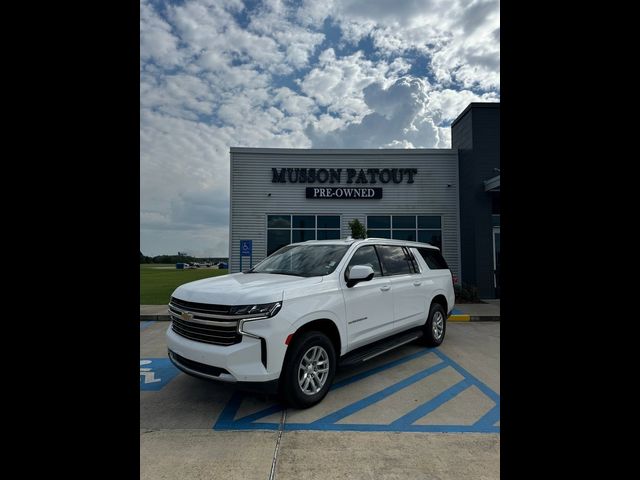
(291, 391)
(430, 337)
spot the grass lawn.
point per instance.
(158, 281)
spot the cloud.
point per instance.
(455, 33)
(403, 13)
(204, 207)
(339, 83)
(408, 114)
(476, 14)
(179, 95)
(276, 73)
(298, 43)
(312, 13)
(446, 104)
(179, 155)
(396, 120)
(157, 41)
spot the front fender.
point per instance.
(324, 315)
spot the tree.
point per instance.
(357, 229)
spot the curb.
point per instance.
(485, 318)
(154, 318)
(473, 318)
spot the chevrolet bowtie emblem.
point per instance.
(186, 316)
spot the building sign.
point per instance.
(344, 192)
(336, 175)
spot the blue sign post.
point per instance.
(246, 250)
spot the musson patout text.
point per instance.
(334, 175)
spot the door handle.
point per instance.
(385, 288)
(417, 284)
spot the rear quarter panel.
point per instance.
(439, 282)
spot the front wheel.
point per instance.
(309, 370)
(436, 326)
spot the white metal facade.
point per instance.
(254, 196)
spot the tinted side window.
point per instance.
(394, 260)
(366, 256)
(412, 260)
(433, 258)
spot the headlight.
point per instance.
(257, 310)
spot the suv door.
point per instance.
(369, 305)
(409, 296)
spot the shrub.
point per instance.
(466, 293)
(357, 229)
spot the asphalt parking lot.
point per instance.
(411, 413)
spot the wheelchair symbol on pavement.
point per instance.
(155, 373)
(147, 373)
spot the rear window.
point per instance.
(433, 258)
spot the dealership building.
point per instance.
(447, 197)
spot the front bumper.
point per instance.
(258, 357)
(241, 360)
(208, 372)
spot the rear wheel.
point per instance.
(309, 370)
(436, 326)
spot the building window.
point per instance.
(421, 228)
(285, 229)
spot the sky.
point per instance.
(293, 74)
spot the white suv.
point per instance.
(285, 325)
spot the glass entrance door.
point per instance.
(496, 260)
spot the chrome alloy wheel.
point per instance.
(437, 325)
(313, 370)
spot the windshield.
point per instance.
(303, 260)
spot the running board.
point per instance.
(368, 352)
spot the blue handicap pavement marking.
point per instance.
(144, 325)
(456, 311)
(405, 423)
(155, 373)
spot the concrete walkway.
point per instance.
(463, 312)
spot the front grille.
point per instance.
(200, 307)
(205, 333)
(204, 328)
(197, 366)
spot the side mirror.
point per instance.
(359, 273)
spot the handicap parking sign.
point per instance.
(246, 247)
(155, 373)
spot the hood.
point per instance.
(241, 288)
